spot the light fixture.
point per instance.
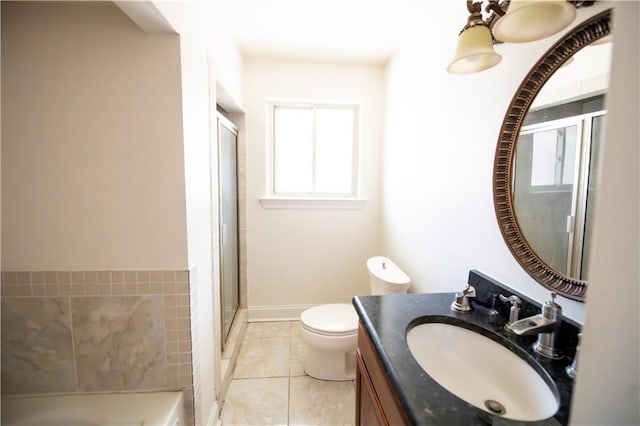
(533, 20)
(515, 21)
(475, 50)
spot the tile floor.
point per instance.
(269, 386)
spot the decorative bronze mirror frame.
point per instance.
(592, 29)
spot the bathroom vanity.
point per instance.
(396, 376)
(393, 389)
(375, 400)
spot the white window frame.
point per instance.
(311, 200)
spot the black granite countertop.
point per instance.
(388, 318)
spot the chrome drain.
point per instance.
(495, 407)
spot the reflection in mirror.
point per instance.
(556, 161)
(545, 169)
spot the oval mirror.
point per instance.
(546, 158)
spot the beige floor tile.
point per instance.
(295, 328)
(256, 402)
(268, 329)
(263, 357)
(262, 390)
(298, 351)
(320, 402)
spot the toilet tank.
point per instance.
(386, 277)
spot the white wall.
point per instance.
(606, 390)
(205, 20)
(307, 257)
(227, 62)
(199, 144)
(90, 179)
(438, 216)
(208, 59)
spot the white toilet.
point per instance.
(330, 331)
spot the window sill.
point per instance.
(312, 203)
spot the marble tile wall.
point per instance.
(88, 331)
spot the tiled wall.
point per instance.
(86, 331)
(195, 344)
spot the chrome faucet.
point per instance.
(462, 303)
(514, 312)
(545, 325)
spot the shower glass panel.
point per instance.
(543, 194)
(228, 181)
(597, 134)
(554, 186)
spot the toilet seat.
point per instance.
(335, 319)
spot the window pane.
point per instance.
(569, 166)
(553, 157)
(334, 150)
(293, 150)
(544, 158)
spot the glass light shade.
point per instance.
(474, 52)
(533, 20)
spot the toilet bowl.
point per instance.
(331, 330)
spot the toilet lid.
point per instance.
(335, 319)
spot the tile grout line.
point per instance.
(73, 346)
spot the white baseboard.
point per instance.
(276, 313)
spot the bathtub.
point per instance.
(112, 409)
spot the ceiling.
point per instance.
(361, 31)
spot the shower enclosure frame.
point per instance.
(224, 233)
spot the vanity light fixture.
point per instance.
(527, 21)
(515, 21)
(475, 50)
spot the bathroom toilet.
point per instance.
(385, 277)
(330, 330)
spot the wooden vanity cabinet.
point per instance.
(375, 400)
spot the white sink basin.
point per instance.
(482, 372)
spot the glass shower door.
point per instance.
(544, 190)
(555, 182)
(228, 186)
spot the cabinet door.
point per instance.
(368, 409)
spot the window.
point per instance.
(313, 150)
(553, 156)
